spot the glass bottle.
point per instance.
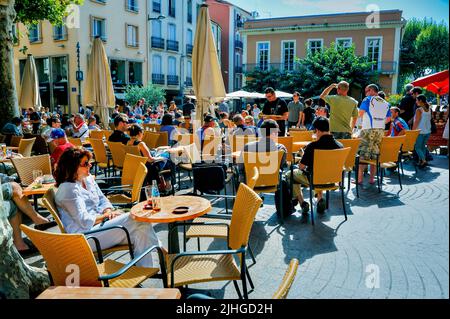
(156, 198)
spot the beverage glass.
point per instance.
(148, 194)
(3, 147)
(37, 176)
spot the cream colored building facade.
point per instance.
(274, 43)
(126, 29)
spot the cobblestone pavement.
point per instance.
(393, 245)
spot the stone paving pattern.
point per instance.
(404, 235)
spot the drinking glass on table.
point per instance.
(37, 176)
(148, 194)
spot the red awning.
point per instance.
(436, 83)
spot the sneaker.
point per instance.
(305, 207)
(321, 206)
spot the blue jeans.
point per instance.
(420, 146)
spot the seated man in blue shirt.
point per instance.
(325, 141)
(13, 128)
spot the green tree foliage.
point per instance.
(424, 47)
(314, 73)
(32, 11)
(152, 94)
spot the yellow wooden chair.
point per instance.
(112, 127)
(123, 199)
(26, 146)
(25, 166)
(287, 281)
(389, 157)
(75, 141)
(63, 251)
(218, 229)
(107, 134)
(301, 139)
(189, 152)
(48, 202)
(351, 163)
(328, 174)
(150, 139)
(237, 142)
(211, 147)
(268, 165)
(408, 147)
(132, 149)
(102, 159)
(205, 266)
(288, 141)
(96, 135)
(163, 139)
(15, 140)
(117, 150)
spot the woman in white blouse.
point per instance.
(83, 207)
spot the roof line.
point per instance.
(232, 4)
(321, 15)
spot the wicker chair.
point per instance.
(287, 281)
(26, 146)
(123, 199)
(205, 266)
(351, 163)
(117, 150)
(60, 251)
(75, 141)
(150, 139)
(96, 134)
(131, 149)
(102, 160)
(389, 157)
(24, 167)
(408, 147)
(326, 177)
(15, 140)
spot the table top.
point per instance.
(33, 190)
(198, 206)
(62, 292)
(8, 159)
(12, 148)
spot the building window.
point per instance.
(189, 42)
(189, 11)
(157, 73)
(156, 6)
(132, 36)
(34, 33)
(189, 73)
(135, 73)
(15, 34)
(172, 43)
(98, 28)
(288, 55)
(118, 74)
(315, 45)
(172, 78)
(132, 5)
(217, 33)
(263, 55)
(59, 32)
(238, 82)
(156, 28)
(172, 8)
(343, 42)
(373, 51)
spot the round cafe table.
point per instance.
(198, 206)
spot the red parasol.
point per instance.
(436, 83)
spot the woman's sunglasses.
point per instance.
(85, 163)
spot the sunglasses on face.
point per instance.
(86, 163)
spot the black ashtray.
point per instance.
(181, 210)
(148, 207)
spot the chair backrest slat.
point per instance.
(96, 134)
(245, 207)
(268, 164)
(60, 251)
(49, 202)
(139, 178)
(150, 139)
(410, 140)
(130, 167)
(328, 165)
(76, 141)
(287, 141)
(132, 149)
(26, 146)
(302, 136)
(354, 145)
(390, 148)
(117, 152)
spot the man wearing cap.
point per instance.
(59, 139)
(343, 110)
(295, 108)
(398, 125)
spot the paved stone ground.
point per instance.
(403, 237)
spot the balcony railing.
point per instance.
(283, 67)
(172, 45)
(60, 36)
(238, 44)
(158, 79)
(172, 80)
(156, 6)
(188, 81)
(238, 69)
(157, 43)
(385, 67)
(189, 49)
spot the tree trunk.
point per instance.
(17, 279)
(8, 95)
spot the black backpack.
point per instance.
(209, 178)
(288, 203)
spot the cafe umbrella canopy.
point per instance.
(29, 93)
(206, 76)
(98, 89)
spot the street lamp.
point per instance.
(160, 17)
(79, 75)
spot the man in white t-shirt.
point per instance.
(80, 128)
(374, 113)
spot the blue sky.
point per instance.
(436, 9)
